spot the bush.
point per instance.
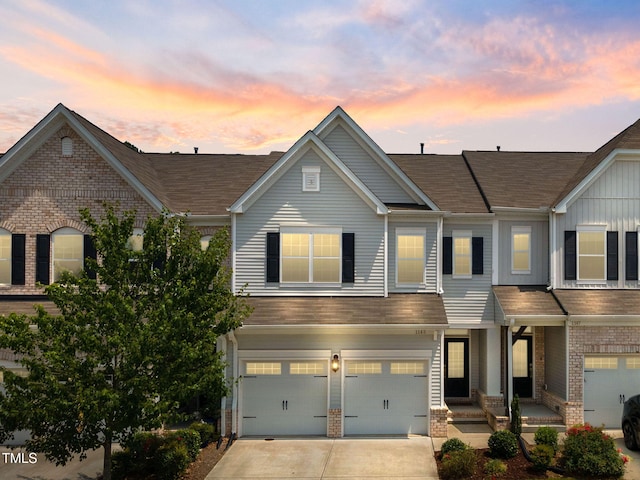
(458, 464)
(542, 456)
(453, 445)
(141, 448)
(189, 438)
(171, 460)
(547, 436)
(503, 444)
(121, 464)
(516, 418)
(588, 451)
(495, 468)
(207, 432)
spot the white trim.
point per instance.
(284, 354)
(311, 232)
(495, 247)
(385, 354)
(386, 257)
(234, 259)
(310, 179)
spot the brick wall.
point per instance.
(46, 191)
(438, 422)
(538, 362)
(334, 424)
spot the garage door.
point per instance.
(284, 397)
(608, 381)
(385, 397)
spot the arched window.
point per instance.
(5, 257)
(67, 146)
(68, 252)
(204, 242)
(136, 240)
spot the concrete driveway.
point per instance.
(323, 458)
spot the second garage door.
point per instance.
(385, 397)
(608, 381)
(284, 397)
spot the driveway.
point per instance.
(323, 458)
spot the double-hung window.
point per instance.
(310, 256)
(591, 251)
(461, 254)
(410, 256)
(5, 257)
(68, 252)
(520, 250)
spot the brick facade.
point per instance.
(438, 422)
(334, 424)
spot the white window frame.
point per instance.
(407, 231)
(461, 234)
(591, 229)
(310, 179)
(520, 231)
(64, 232)
(6, 260)
(311, 232)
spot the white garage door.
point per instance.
(608, 381)
(385, 397)
(284, 397)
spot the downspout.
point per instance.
(234, 403)
(552, 249)
(439, 289)
(233, 253)
(222, 347)
(386, 256)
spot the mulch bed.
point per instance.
(209, 456)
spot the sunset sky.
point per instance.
(253, 76)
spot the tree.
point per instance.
(127, 348)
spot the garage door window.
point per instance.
(364, 368)
(407, 368)
(307, 368)
(264, 368)
(633, 363)
(601, 363)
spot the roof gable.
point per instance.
(307, 141)
(91, 134)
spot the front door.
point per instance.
(523, 367)
(456, 367)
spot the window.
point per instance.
(204, 242)
(520, 250)
(263, 368)
(591, 251)
(308, 368)
(601, 363)
(462, 254)
(407, 368)
(67, 146)
(136, 240)
(311, 257)
(310, 179)
(68, 252)
(410, 255)
(5, 257)
(364, 368)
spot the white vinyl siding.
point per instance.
(5, 257)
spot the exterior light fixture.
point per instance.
(335, 363)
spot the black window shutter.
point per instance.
(18, 259)
(89, 252)
(570, 252)
(43, 258)
(477, 255)
(631, 256)
(273, 257)
(348, 257)
(612, 255)
(447, 255)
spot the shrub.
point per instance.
(453, 445)
(141, 448)
(171, 460)
(458, 464)
(547, 436)
(503, 444)
(588, 451)
(516, 418)
(189, 438)
(495, 468)
(207, 432)
(121, 464)
(542, 456)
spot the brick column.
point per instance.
(334, 424)
(438, 422)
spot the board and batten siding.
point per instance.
(555, 361)
(612, 200)
(336, 343)
(470, 301)
(335, 205)
(358, 160)
(430, 229)
(539, 254)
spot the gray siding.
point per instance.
(539, 254)
(365, 167)
(470, 301)
(336, 205)
(335, 343)
(431, 239)
(612, 200)
(555, 360)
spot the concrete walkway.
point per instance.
(327, 459)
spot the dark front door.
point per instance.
(523, 367)
(456, 367)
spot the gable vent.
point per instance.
(67, 146)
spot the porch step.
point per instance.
(460, 414)
(533, 427)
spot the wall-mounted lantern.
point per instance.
(335, 363)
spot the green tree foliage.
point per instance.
(128, 347)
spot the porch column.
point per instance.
(508, 384)
(492, 367)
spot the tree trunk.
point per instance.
(106, 464)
